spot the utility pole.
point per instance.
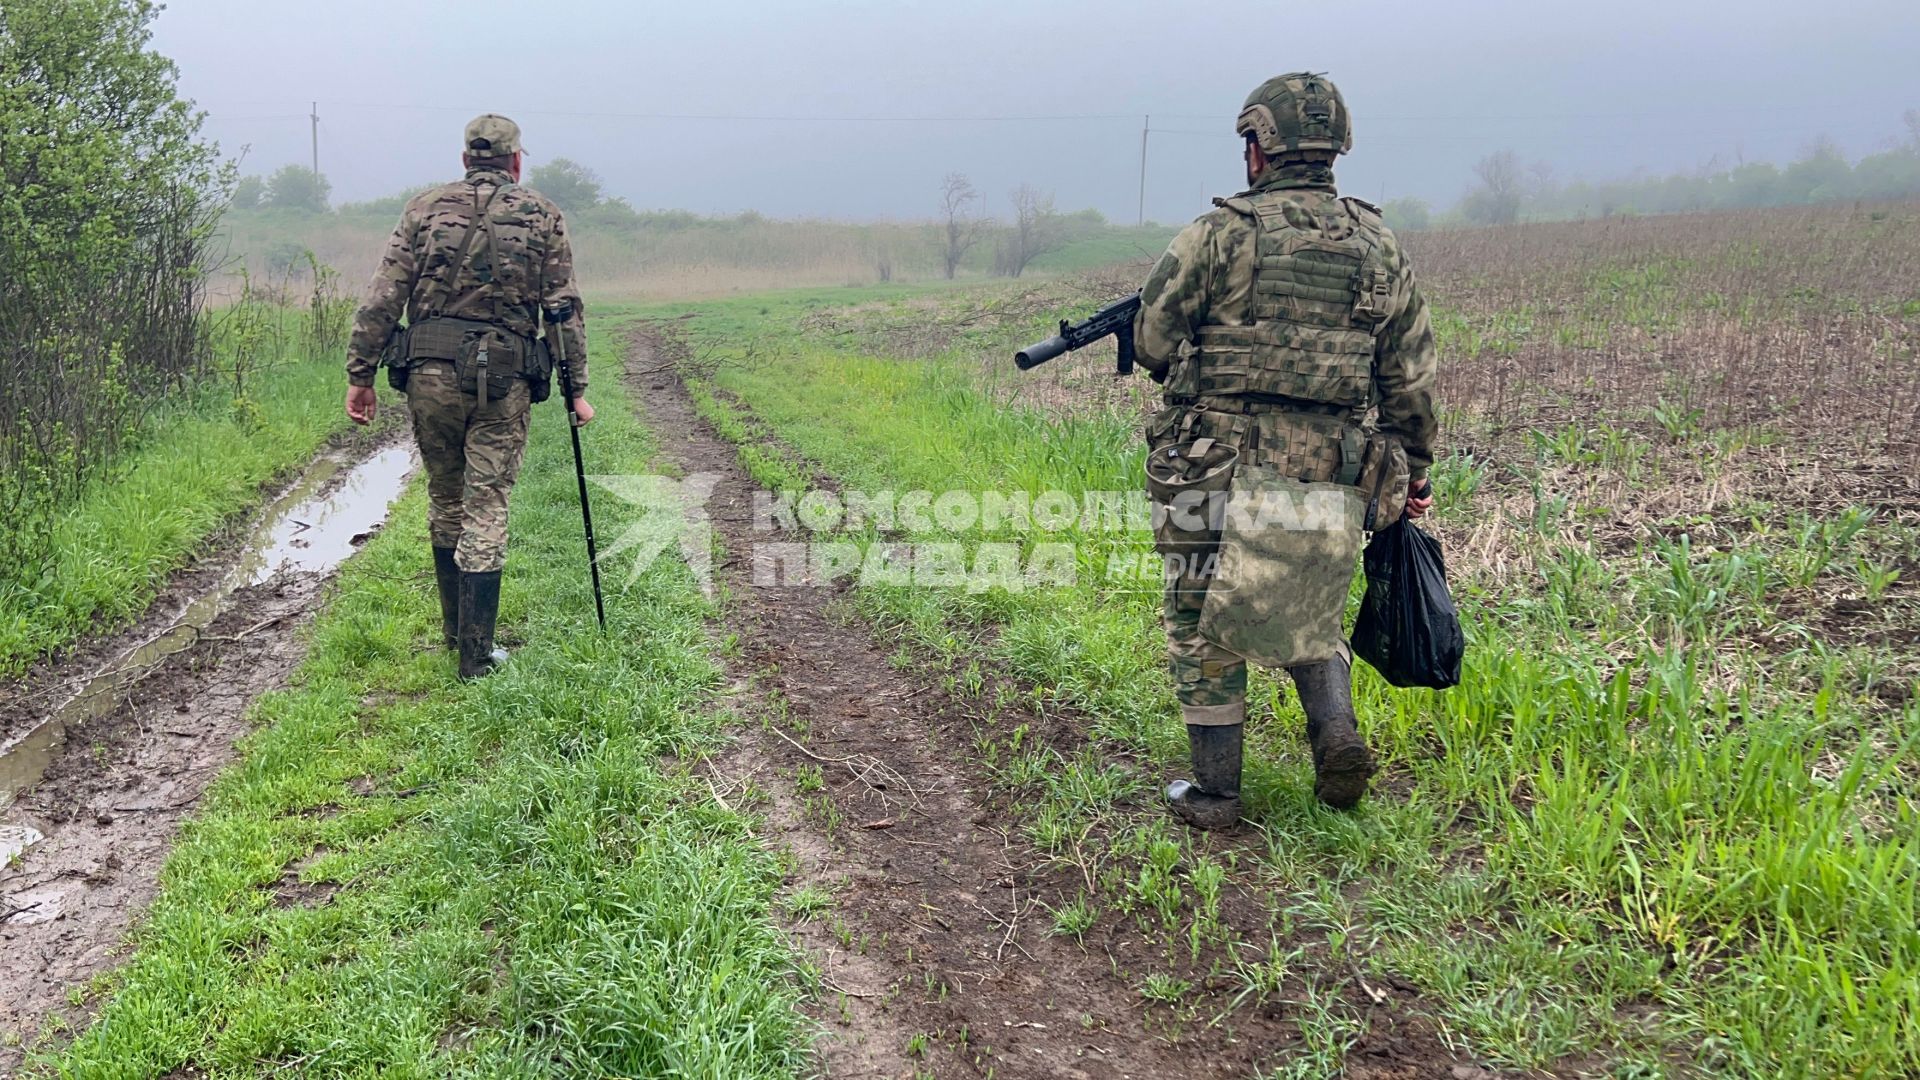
(1145, 123)
(315, 117)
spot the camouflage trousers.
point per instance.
(1209, 680)
(472, 454)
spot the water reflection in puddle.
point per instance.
(301, 531)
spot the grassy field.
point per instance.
(684, 255)
(1665, 825)
(195, 464)
(407, 876)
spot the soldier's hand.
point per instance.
(361, 403)
(1419, 498)
(582, 412)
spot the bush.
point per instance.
(107, 197)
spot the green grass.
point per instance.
(523, 876)
(1662, 823)
(196, 464)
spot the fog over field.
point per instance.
(855, 110)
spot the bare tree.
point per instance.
(963, 229)
(1497, 201)
(1037, 229)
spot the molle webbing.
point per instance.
(1320, 294)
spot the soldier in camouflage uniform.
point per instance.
(1276, 322)
(471, 266)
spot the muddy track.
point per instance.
(937, 937)
(144, 742)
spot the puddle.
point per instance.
(15, 839)
(301, 531)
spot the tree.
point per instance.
(572, 186)
(247, 193)
(108, 197)
(1912, 119)
(963, 229)
(1037, 230)
(1407, 214)
(1497, 200)
(296, 187)
(1821, 173)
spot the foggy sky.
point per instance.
(855, 109)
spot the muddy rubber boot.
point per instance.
(447, 576)
(1342, 764)
(1211, 800)
(479, 607)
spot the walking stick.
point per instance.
(557, 315)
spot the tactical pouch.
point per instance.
(1287, 553)
(539, 372)
(465, 343)
(1188, 483)
(393, 356)
(488, 363)
(1384, 476)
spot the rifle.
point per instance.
(557, 315)
(1116, 319)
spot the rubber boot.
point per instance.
(479, 607)
(1211, 800)
(1342, 763)
(447, 575)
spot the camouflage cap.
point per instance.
(1296, 111)
(492, 135)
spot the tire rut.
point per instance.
(938, 925)
(116, 790)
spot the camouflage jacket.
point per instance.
(536, 268)
(1206, 278)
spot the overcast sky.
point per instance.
(856, 108)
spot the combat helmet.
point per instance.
(1294, 112)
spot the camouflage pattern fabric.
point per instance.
(534, 268)
(1294, 112)
(471, 449)
(1287, 553)
(1207, 279)
(1209, 679)
(472, 454)
(492, 135)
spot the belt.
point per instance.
(1248, 405)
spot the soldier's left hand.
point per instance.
(582, 412)
(1419, 498)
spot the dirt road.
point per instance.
(936, 949)
(108, 751)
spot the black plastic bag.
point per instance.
(1408, 628)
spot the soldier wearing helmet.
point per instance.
(1293, 342)
(471, 267)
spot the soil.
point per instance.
(115, 792)
(939, 923)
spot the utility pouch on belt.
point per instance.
(476, 349)
(1384, 476)
(393, 356)
(539, 372)
(1287, 553)
(1188, 484)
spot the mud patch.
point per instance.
(926, 914)
(130, 751)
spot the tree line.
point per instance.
(1507, 190)
(1034, 227)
